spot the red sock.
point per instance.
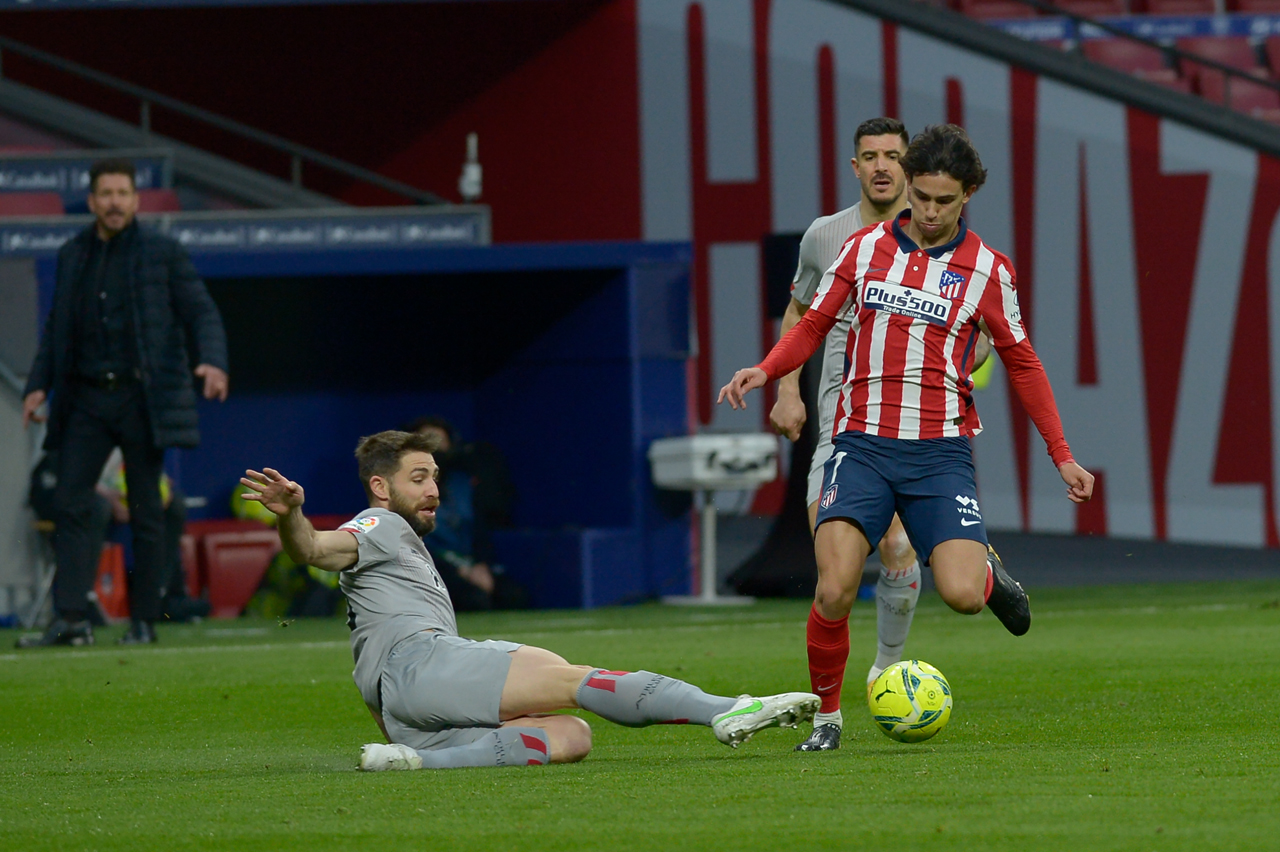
(828, 643)
(991, 581)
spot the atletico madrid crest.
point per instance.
(951, 283)
(830, 496)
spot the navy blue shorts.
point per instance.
(928, 482)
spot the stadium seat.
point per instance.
(1126, 55)
(229, 557)
(1212, 85)
(158, 201)
(1235, 51)
(1166, 77)
(1242, 94)
(995, 9)
(234, 563)
(1252, 6)
(1271, 50)
(31, 204)
(1174, 7)
(1093, 8)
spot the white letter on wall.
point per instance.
(1106, 423)
(1199, 510)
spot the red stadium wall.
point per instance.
(558, 140)
(1143, 247)
(1148, 253)
(359, 81)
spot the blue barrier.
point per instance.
(67, 173)
(1153, 27)
(251, 234)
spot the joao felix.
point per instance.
(918, 289)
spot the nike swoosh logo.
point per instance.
(965, 523)
(826, 688)
(753, 707)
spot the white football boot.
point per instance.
(735, 727)
(379, 757)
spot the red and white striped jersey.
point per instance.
(915, 315)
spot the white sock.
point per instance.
(896, 596)
(833, 718)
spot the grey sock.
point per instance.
(636, 699)
(896, 596)
(500, 747)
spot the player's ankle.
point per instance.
(835, 717)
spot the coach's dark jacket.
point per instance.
(170, 308)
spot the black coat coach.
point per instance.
(170, 306)
(129, 317)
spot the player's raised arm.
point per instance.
(328, 550)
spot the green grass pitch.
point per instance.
(1129, 718)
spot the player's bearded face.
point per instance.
(410, 508)
(878, 170)
(417, 504)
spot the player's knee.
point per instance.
(896, 551)
(834, 598)
(570, 739)
(962, 600)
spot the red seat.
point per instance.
(1125, 55)
(1093, 8)
(1229, 50)
(31, 204)
(1174, 7)
(1242, 94)
(1166, 77)
(1253, 5)
(235, 563)
(1271, 50)
(229, 556)
(1253, 98)
(158, 201)
(995, 9)
(1234, 51)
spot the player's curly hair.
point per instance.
(882, 126)
(945, 149)
(380, 454)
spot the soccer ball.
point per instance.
(910, 701)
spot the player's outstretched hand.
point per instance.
(1079, 482)
(742, 383)
(788, 415)
(273, 490)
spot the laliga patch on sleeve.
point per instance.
(360, 525)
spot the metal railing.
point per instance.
(147, 98)
(1170, 51)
